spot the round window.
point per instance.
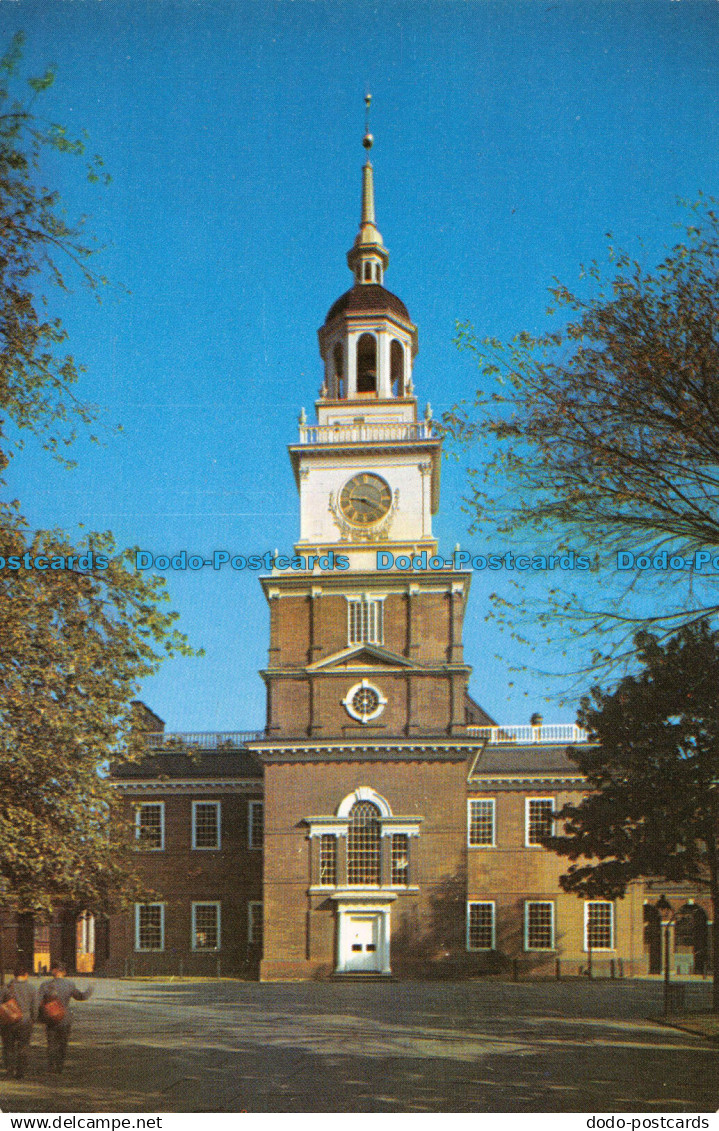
(364, 702)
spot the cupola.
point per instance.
(368, 341)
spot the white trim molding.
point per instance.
(364, 793)
(364, 716)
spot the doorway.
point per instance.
(363, 933)
(362, 943)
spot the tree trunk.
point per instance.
(713, 860)
(715, 941)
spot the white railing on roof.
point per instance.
(204, 739)
(553, 732)
(365, 433)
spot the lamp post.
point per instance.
(668, 917)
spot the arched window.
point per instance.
(396, 362)
(338, 357)
(363, 844)
(368, 272)
(367, 364)
(377, 278)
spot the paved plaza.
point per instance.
(477, 1046)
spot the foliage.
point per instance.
(74, 645)
(604, 434)
(38, 245)
(653, 809)
(80, 628)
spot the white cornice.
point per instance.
(189, 785)
(348, 582)
(520, 781)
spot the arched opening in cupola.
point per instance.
(339, 376)
(367, 364)
(396, 364)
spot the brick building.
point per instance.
(381, 822)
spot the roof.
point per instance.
(365, 298)
(217, 764)
(533, 758)
(476, 715)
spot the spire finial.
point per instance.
(367, 140)
(368, 257)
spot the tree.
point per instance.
(80, 628)
(604, 435)
(38, 247)
(653, 809)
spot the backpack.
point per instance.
(52, 1011)
(10, 1012)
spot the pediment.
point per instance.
(359, 657)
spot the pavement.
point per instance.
(476, 1046)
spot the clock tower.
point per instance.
(368, 470)
(366, 748)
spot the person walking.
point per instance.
(55, 998)
(16, 1035)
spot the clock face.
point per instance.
(365, 499)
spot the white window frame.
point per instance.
(491, 801)
(484, 903)
(149, 949)
(362, 606)
(612, 926)
(321, 882)
(193, 940)
(251, 941)
(146, 805)
(250, 823)
(542, 903)
(535, 843)
(204, 847)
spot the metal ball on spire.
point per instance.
(367, 140)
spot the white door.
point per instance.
(361, 943)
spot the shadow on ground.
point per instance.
(405, 1047)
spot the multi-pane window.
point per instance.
(256, 823)
(150, 825)
(205, 926)
(205, 824)
(149, 926)
(539, 819)
(480, 926)
(328, 860)
(399, 862)
(538, 925)
(254, 923)
(363, 844)
(598, 925)
(480, 821)
(365, 621)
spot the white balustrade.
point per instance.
(526, 733)
(205, 740)
(365, 433)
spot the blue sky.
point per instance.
(510, 137)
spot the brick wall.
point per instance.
(180, 875)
